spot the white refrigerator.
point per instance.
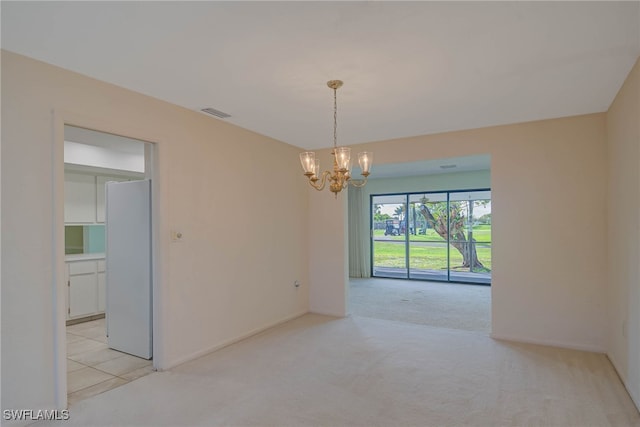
(128, 272)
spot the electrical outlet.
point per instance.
(176, 236)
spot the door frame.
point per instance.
(156, 162)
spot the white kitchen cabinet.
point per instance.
(82, 267)
(87, 292)
(83, 295)
(100, 182)
(79, 198)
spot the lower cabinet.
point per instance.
(86, 288)
(83, 295)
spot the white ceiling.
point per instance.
(429, 167)
(410, 68)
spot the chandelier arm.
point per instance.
(358, 183)
(323, 181)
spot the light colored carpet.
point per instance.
(444, 305)
(321, 371)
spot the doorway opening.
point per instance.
(420, 244)
(94, 163)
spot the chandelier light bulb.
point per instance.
(308, 161)
(365, 159)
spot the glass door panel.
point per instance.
(428, 258)
(388, 238)
(470, 237)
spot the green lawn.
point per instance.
(386, 254)
(482, 233)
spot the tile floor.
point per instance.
(92, 367)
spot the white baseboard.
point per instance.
(226, 343)
(325, 312)
(634, 398)
(550, 343)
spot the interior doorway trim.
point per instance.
(60, 118)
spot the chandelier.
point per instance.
(340, 177)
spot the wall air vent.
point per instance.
(447, 166)
(215, 113)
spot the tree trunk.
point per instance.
(458, 240)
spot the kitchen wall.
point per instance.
(101, 157)
(548, 182)
(244, 220)
(623, 285)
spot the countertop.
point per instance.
(83, 257)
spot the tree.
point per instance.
(399, 212)
(378, 216)
(485, 219)
(436, 216)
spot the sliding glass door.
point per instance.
(432, 236)
(389, 246)
(470, 236)
(428, 255)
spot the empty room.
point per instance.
(492, 146)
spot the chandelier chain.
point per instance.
(335, 118)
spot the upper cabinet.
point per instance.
(84, 196)
(79, 198)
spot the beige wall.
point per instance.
(244, 219)
(328, 261)
(623, 141)
(548, 182)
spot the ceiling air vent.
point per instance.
(216, 113)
